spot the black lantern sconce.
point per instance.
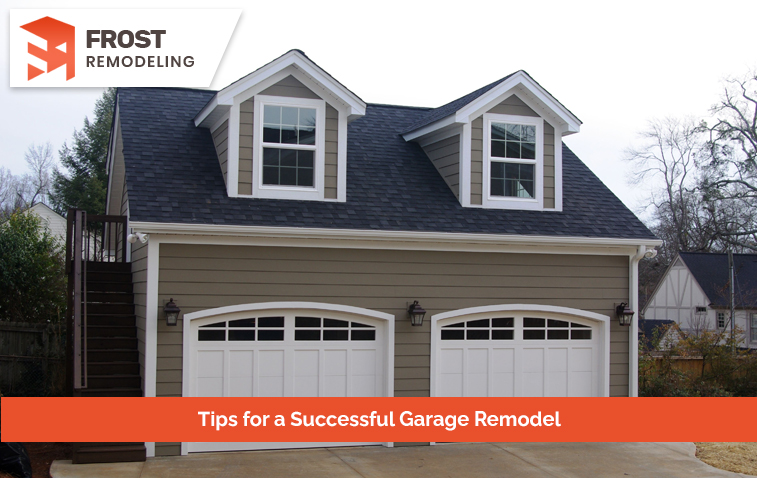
(171, 310)
(416, 313)
(624, 314)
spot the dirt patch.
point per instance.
(735, 457)
(42, 456)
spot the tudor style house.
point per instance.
(295, 225)
(695, 293)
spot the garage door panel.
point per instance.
(240, 373)
(306, 373)
(210, 367)
(581, 384)
(271, 373)
(582, 360)
(335, 371)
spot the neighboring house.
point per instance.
(651, 331)
(54, 222)
(695, 293)
(294, 225)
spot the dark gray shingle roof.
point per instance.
(711, 272)
(172, 175)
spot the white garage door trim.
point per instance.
(601, 324)
(386, 335)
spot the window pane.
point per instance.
(271, 156)
(335, 323)
(580, 334)
(272, 114)
(270, 175)
(498, 149)
(498, 170)
(498, 131)
(307, 322)
(528, 133)
(512, 150)
(557, 334)
(574, 325)
(526, 172)
(513, 132)
(211, 335)
(242, 323)
(453, 334)
(457, 325)
(502, 334)
(271, 322)
(217, 324)
(477, 334)
(271, 134)
(363, 334)
(305, 159)
(307, 117)
(478, 323)
(307, 135)
(358, 324)
(289, 115)
(503, 322)
(557, 323)
(288, 157)
(288, 176)
(528, 150)
(304, 177)
(246, 335)
(288, 134)
(335, 334)
(531, 322)
(533, 335)
(270, 335)
(497, 187)
(304, 334)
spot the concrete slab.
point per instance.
(64, 469)
(477, 460)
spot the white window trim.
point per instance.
(259, 190)
(503, 202)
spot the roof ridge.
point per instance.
(386, 105)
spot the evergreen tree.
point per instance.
(83, 185)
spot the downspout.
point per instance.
(633, 333)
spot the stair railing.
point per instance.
(89, 238)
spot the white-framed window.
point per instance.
(721, 320)
(288, 148)
(513, 171)
(753, 326)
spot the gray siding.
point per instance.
(221, 142)
(512, 106)
(289, 87)
(246, 110)
(139, 281)
(124, 202)
(445, 155)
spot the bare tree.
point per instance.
(41, 162)
(730, 180)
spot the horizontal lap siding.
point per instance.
(445, 155)
(246, 130)
(331, 161)
(139, 280)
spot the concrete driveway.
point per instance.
(483, 460)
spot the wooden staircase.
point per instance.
(108, 354)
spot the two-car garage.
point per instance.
(300, 349)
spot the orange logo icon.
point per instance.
(60, 46)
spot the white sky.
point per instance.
(615, 65)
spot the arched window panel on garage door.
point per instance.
(497, 328)
(264, 329)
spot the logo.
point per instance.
(60, 50)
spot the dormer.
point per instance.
(281, 131)
(500, 147)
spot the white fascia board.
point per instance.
(206, 110)
(403, 239)
(572, 124)
(356, 105)
(429, 129)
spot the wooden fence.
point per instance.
(32, 359)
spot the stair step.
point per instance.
(109, 286)
(108, 452)
(115, 368)
(119, 320)
(120, 309)
(108, 266)
(110, 392)
(102, 331)
(111, 382)
(103, 356)
(108, 277)
(111, 343)
(109, 297)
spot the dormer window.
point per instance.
(513, 161)
(288, 154)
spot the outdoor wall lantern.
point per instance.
(624, 313)
(172, 312)
(416, 313)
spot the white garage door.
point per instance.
(518, 353)
(286, 352)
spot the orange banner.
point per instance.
(376, 419)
